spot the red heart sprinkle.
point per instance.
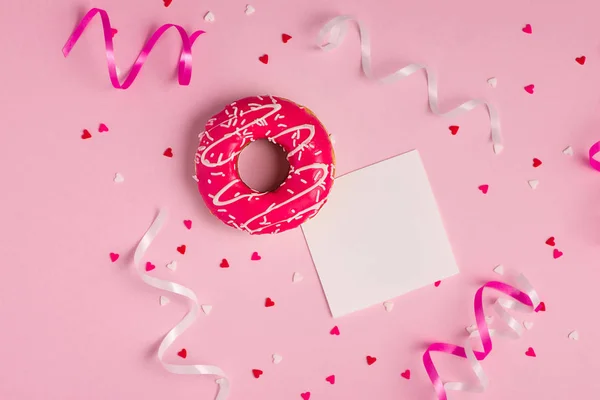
(182, 353)
(150, 266)
(529, 88)
(530, 352)
(550, 241)
(255, 257)
(557, 253)
(484, 188)
(264, 58)
(167, 2)
(536, 162)
(527, 29)
(371, 360)
(330, 379)
(86, 134)
(168, 152)
(285, 37)
(114, 257)
(305, 395)
(257, 373)
(541, 307)
(224, 264)
(188, 223)
(437, 283)
(580, 60)
(269, 302)
(113, 31)
(335, 331)
(406, 374)
(453, 129)
(103, 128)
(181, 249)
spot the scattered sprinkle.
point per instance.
(168, 152)
(187, 223)
(163, 300)
(297, 277)
(529, 88)
(406, 374)
(114, 256)
(533, 183)
(528, 325)
(113, 32)
(493, 82)
(255, 257)
(568, 151)
(574, 335)
(437, 283)
(118, 178)
(102, 128)
(471, 328)
(206, 308)
(330, 379)
(224, 263)
(181, 249)
(499, 269)
(249, 9)
(527, 29)
(557, 254)
(285, 37)
(86, 134)
(277, 358)
(150, 266)
(453, 129)
(209, 17)
(305, 395)
(550, 241)
(335, 331)
(530, 352)
(371, 360)
(172, 265)
(536, 162)
(388, 305)
(484, 188)
(541, 307)
(269, 302)
(580, 60)
(167, 3)
(182, 353)
(264, 59)
(257, 373)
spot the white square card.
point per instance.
(380, 235)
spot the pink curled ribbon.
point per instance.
(523, 299)
(595, 149)
(185, 58)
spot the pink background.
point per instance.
(73, 325)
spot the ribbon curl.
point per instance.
(185, 58)
(524, 299)
(187, 320)
(335, 30)
(595, 149)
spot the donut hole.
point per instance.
(263, 166)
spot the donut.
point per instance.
(308, 149)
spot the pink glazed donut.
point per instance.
(309, 153)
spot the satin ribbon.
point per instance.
(595, 149)
(335, 30)
(185, 58)
(523, 299)
(187, 320)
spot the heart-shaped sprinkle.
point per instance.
(371, 360)
(533, 183)
(330, 379)
(86, 134)
(529, 88)
(102, 128)
(257, 373)
(541, 307)
(527, 29)
(499, 269)
(550, 241)
(172, 265)
(297, 277)
(285, 37)
(484, 188)
(437, 283)
(536, 162)
(406, 374)
(493, 82)
(489, 319)
(163, 300)
(113, 32)
(574, 335)
(255, 257)
(528, 324)
(305, 395)
(206, 308)
(568, 151)
(187, 223)
(167, 3)
(530, 352)
(150, 266)
(181, 249)
(209, 17)
(388, 305)
(114, 257)
(118, 178)
(269, 302)
(277, 358)
(453, 129)
(557, 254)
(335, 331)
(182, 353)
(580, 60)
(264, 58)
(249, 10)
(168, 152)
(224, 263)
(471, 328)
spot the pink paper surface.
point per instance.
(76, 326)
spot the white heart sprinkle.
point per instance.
(498, 148)
(249, 9)
(297, 277)
(499, 269)
(206, 308)
(574, 335)
(209, 17)
(163, 300)
(388, 305)
(220, 381)
(568, 151)
(489, 319)
(172, 265)
(492, 82)
(471, 328)
(528, 324)
(277, 358)
(533, 183)
(118, 178)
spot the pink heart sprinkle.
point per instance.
(484, 188)
(188, 223)
(557, 253)
(335, 331)
(103, 128)
(114, 257)
(530, 352)
(150, 266)
(330, 379)
(527, 29)
(529, 88)
(437, 283)
(255, 257)
(305, 395)
(406, 374)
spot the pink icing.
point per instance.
(309, 153)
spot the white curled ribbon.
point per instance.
(334, 32)
(187, 320)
